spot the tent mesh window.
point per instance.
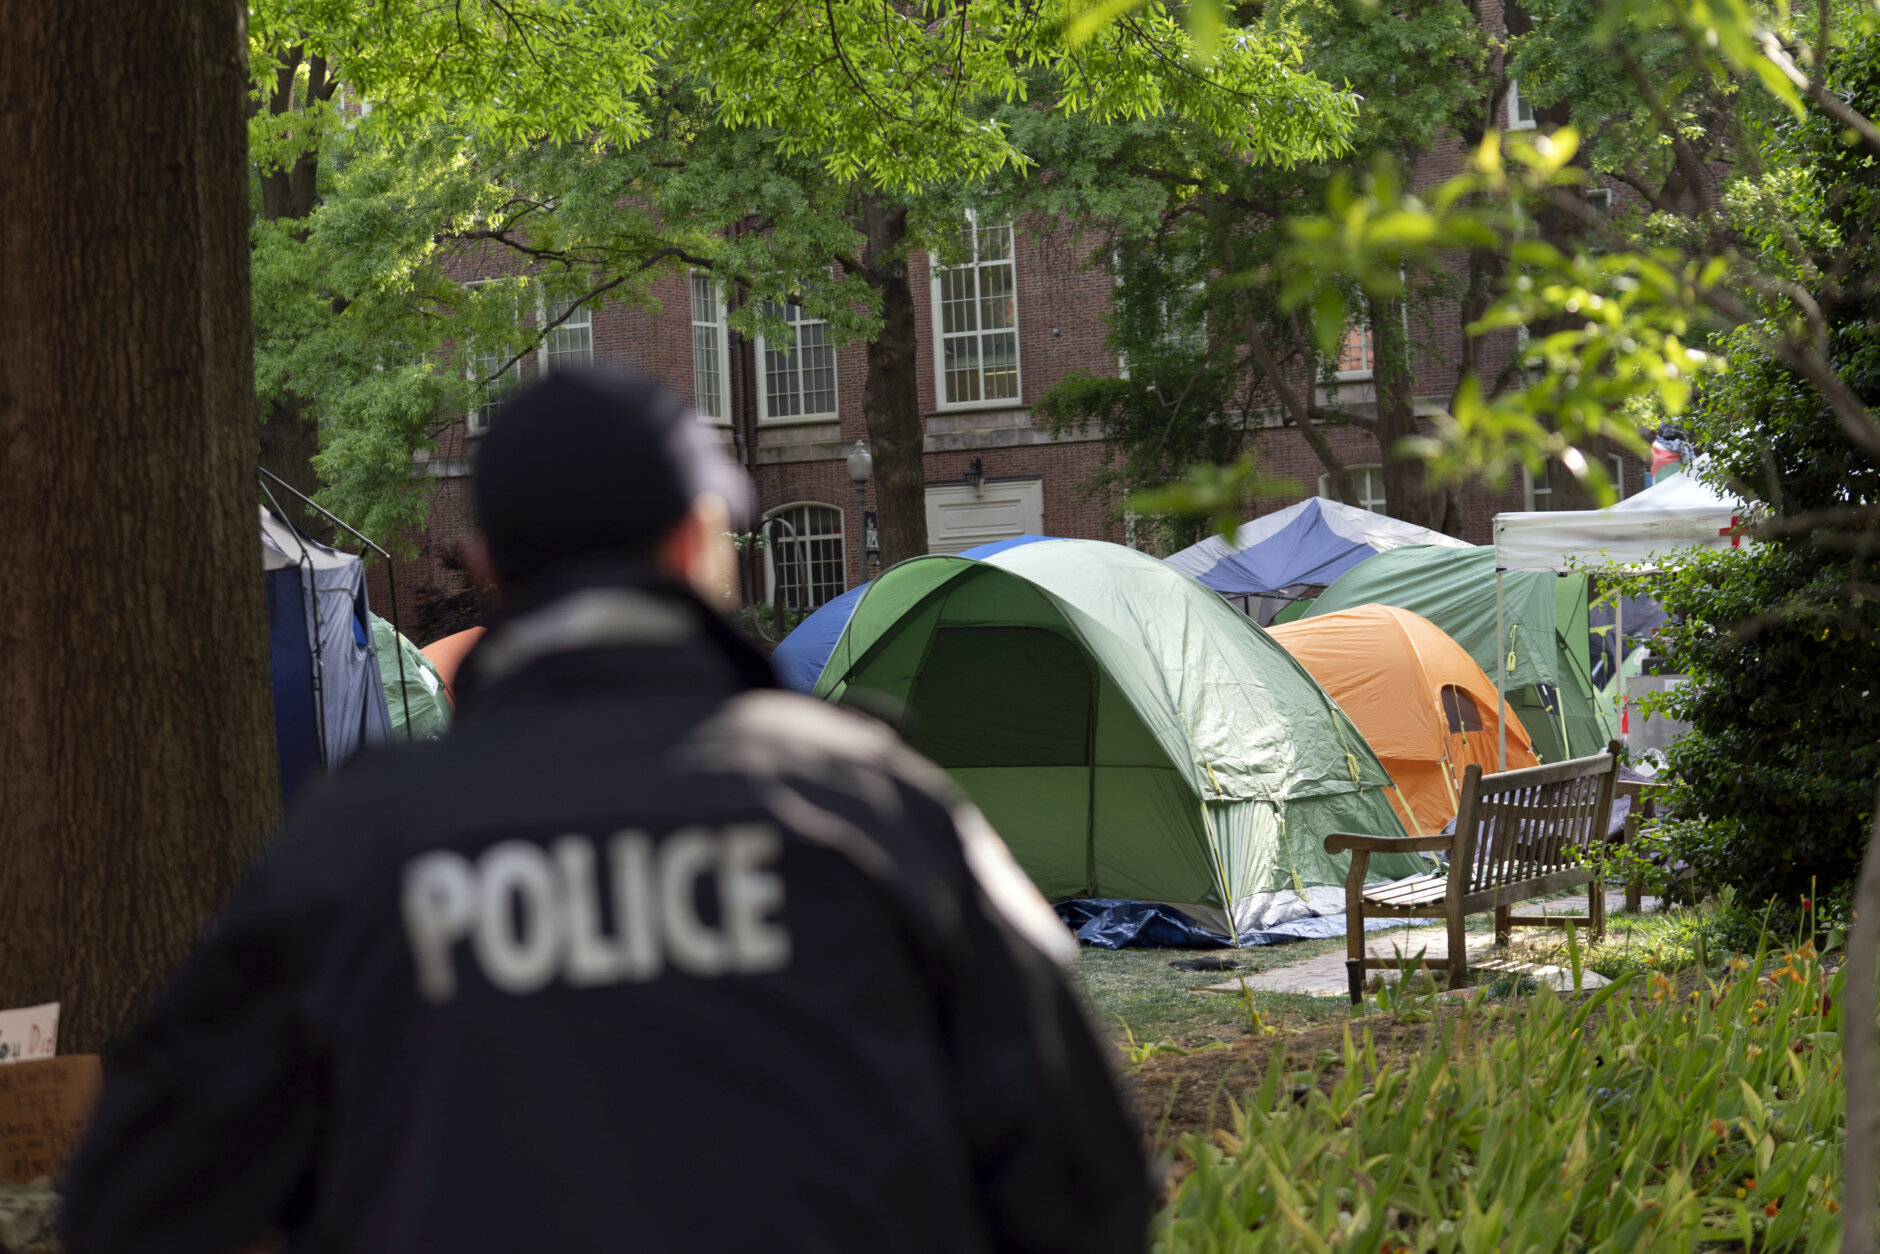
(1003, 696)
(806, 559)
(1460, 709)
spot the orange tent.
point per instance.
(1419, 699)
(447, 654)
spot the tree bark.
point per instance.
(1408, 493)
(891, 394)
(137, 772)
(1860, 1059)
(290, 432)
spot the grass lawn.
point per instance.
(1134, 992)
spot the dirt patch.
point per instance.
(1176, 1094)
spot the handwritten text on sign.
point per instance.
(29, 1033)
(43, 1109)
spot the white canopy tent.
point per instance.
(1637, 535)
(1679, 513)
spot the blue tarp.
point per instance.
(1110, 923)
(1313, 542)
(799, 659)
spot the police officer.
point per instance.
(645, 955)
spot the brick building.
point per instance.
(1011, 324)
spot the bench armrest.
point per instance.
(1338, 842)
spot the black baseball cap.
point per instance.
(590, 464)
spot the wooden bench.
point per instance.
(1519, 835)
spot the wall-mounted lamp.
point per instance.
(976, 475)
(861, 465)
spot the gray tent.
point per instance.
(328, 699)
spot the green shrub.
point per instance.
(1640, 1118)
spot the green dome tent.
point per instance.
(415, 691)
(1544, 630)
(1128, 732)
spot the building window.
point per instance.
(800, 372)
(1355, 360)
(1366, 481)
(1538, 488)
(1599, 200)
(710, 351)
(976, 308)
(1520, 112)
(1615, 466)
(571, 344)
(488, 388)
(804, 555)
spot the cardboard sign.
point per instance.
(44, 1107)
(29, 1033)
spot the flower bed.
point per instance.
(1643, 1117)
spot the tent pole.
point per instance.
(391, 580)
(398, 648)
(1501, 676)
(1618, 642)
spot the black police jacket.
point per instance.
(642, 956)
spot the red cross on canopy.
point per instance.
(1736, 536)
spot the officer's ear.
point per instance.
(698, 551)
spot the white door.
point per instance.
(959, 518)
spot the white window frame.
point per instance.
(1615, 466)
(1362, 474)
(1599, 200)
(763, 380)
(842, 548)
(582, 319)
(1516, 104)
(1537, 498)
(722, 341)
(940, 337)
(477, 418)
(474, 419)
(1363, 327)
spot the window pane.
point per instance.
(806, 556)
(956, 302)
(1370, 485)
(704, 299)
(1001, 365)
(1355, 357)
(961, 364)
(705, 373)
(780, 384)
(978, 320)
(570, 344)
(818, 368)
(800, 369)
(997, 307)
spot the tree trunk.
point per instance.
(290, 433)
(290, 439)
(1408, 493)
(137, 772)
(891, 395)
(1860, 1058)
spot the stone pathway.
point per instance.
(1324, 976)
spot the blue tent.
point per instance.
(329, 701)
(799, 659)
(1313, 542)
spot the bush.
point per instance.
(1774, 784)
(1641, 1118)
(1782, 640)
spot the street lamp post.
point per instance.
(861, 464)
